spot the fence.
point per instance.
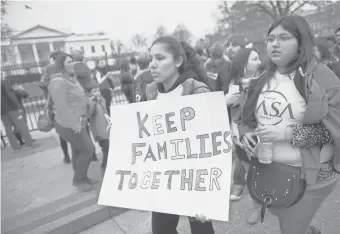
(34, 106)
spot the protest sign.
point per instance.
(170, 156)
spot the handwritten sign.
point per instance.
(170, 156)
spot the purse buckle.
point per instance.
(266, 201)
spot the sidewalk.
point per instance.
(35, 178)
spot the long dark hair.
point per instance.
(239, 63)
(323, 47)
(194, 65)
(60, 61)
(302, 31)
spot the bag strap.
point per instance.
(47, 102)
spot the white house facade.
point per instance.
(35, 45)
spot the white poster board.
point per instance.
(170, 156)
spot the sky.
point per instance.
(119, 19)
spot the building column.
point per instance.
(17, 54)
(51, 47)
(36, 56)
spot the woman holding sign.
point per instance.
(293, 110)
(169, 68)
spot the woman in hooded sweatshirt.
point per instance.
(70, 105)
(168, 68)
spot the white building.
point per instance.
(35, 44)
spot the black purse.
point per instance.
(275, 185)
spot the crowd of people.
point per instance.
(290, 98)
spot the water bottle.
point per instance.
(265, 153)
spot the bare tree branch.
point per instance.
(264, 9)
(288, 6)
(298, 7)
(279, 7)
(274, 8)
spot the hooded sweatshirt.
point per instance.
(184, 85)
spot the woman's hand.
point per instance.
(271, 133)
(248, 143)
(237, 141)
(201, 218)
(231, 98)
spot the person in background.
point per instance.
(335, 50)
(70, 104)
(195, 69)
(143, 77)
(126, 80)
(97, 111)
(82, 72)
(324, 55)
(50, 70)
(20, 93)
(133, 66)
(11, 117)
(168, 68)
(217, 61)
(234, 44)
(243, 67)
(106, 85)
(305, 138)
(201, 56)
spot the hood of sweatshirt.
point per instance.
(183, 77)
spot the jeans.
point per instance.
(239, 170)
(105, 144)
(13, 119)
(82, 150)
(167, 224)
(63, 145)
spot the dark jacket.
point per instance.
(321, 90)
(143, 78)
(190, 86)
(127, 84)
(9, 102)
(223, 79)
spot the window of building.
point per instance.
(93, 49)
(103, 48)
(4, 57)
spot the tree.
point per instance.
(278, 9)
(161, 31)
(181, 33)
(139, 41)
(211, 38)
(231, 13)
(3, 8)
(116, 47)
